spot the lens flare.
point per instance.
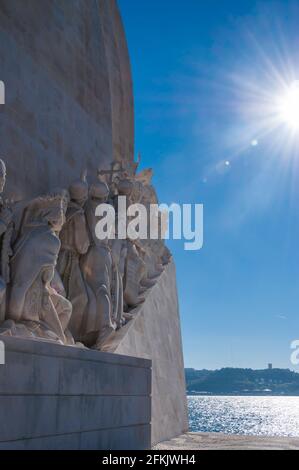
(289, 106)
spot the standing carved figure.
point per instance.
(75, 242)
(131, 265)
(135, 269)
(96, 267)
(119, 255)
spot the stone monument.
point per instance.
(65, 294)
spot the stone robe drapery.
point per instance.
(74, 243)
(35, 255)
(96, 268)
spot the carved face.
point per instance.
(83, 200)
(56, 216)
(79, 192)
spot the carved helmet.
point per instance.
(125, 187)
(99, 190)
(79, 189)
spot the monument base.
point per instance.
(63, 397)
(155, 334)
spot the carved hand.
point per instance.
(6, 216)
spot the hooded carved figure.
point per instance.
(32, 300)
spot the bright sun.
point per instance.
(289, 106)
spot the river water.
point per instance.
(250, 415)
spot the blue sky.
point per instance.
(205, 74)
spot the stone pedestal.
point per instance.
(59, 397)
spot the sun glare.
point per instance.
(289, 106)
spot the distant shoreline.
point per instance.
(242, 382)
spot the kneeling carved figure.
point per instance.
(35, 309)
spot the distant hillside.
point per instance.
(242, 381)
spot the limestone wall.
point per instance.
(69, 101)
(155, 333)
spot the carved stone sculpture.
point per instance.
(58, 281)
(135, 270)
(141, 266)
(119, 255)
(75, 242)
(96, 267)
(35, 309)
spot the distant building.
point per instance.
(270, 365)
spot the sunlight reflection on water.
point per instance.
(263, 416)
